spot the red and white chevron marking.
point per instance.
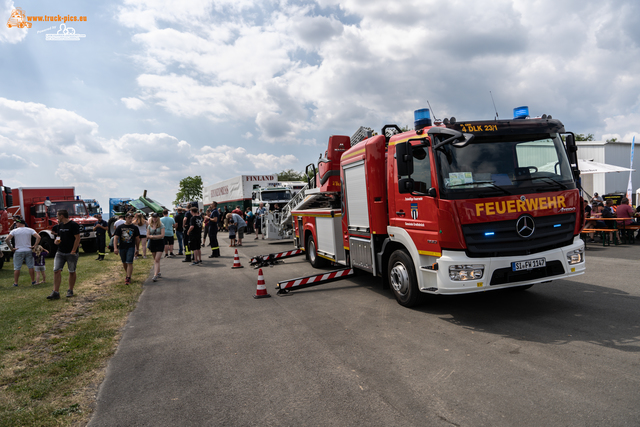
(288, 253)
(316, 279)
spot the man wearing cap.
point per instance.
(100, 228)
(125, 240)
(22, 249)
(68, 241)
(179, 218)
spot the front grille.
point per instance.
(505, 275)
(550, 232)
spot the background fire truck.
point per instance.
(39, 206)
(454, 208)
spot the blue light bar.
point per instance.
(521, 112)
(489, 233)
(422, 118)
(557, 225)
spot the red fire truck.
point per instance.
(39, 206)
(450, 208)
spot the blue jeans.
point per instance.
(180, 237)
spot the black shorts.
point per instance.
(195, 244)
(168, 240)
(156, 245)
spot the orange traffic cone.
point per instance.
(236, 261)
(261, 292)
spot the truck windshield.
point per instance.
(74, 208)
(501, 165)
(268, 196)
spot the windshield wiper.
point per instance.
(558, 183)
(491, 184)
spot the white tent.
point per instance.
(588, 167)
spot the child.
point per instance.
(39, 254)
(232, 233)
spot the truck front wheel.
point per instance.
(315, 260)
(403, 280)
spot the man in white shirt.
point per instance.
(22, 249)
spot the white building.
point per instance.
(613, 153)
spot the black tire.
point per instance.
(47, 243)
(312, 254)
(403, 280)
(110, 226)
(90, 246)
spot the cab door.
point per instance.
(416, 208)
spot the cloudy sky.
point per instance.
(159, 90)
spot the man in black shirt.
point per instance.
(179, 218)
(195, 235)
(126, 239)
(100, 228)
(68, 241)
(187, 224)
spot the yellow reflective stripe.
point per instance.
(317, 215)
(438, 254)
(355, 153)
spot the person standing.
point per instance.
(155, 234)
(187, 223)
(22, 249)
(179, 219)
(195, 235)
(141, 222)
(240, 224)
(260, 212)
(214, 220)
(126, 239)
(100, 228)
(169, 228)
(68, 241)
(249, 217)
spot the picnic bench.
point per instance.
(609, 234)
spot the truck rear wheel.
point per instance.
(312, 253)
(47, 243)
(403, 280)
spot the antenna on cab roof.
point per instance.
(431, 109)
(494, 105)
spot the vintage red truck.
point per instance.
(39, 206)
(450, 208)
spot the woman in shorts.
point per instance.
(155, 234)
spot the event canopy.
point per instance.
(588, 167)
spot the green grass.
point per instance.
(53, 353)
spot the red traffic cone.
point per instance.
(236, 261)
(261, 292)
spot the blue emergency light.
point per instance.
(521, 112)
(422, 118)
(489, 233)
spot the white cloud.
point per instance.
(133, 103)
(102, 168)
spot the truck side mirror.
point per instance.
(572, 154)
(404, 158)
(253, 196)
(432, 192)
(9, 196)
(405, 185)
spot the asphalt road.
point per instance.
(200, 350)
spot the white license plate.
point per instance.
(529, 264)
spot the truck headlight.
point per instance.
(575, 257)
(466, 272)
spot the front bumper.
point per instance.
(498, 273)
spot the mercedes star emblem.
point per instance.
(525, 226)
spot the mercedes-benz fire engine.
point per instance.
(454, 208)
